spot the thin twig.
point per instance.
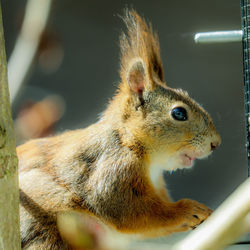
(35, 20)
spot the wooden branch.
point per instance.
(230, 221)
(9, 196)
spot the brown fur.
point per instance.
(104, 170)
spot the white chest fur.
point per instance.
(160, 162)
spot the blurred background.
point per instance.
(75, 73)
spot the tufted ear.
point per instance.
(137, 76)
(141, 65)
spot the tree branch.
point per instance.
(9, 197)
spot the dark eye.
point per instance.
(179, 114)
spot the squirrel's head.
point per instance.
(167, 121)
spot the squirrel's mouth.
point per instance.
(187, 160)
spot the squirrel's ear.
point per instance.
(141, 65)
(137, 77)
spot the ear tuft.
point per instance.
(136, 77)
(140, 48)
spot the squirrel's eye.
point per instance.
(179, 114)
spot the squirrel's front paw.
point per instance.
(194, 213)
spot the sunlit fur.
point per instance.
(105, 170)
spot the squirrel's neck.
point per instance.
(124, 114)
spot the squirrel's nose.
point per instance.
(214, 145)
(215, 141)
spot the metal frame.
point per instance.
(245, 16)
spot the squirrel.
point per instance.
(112, 170)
